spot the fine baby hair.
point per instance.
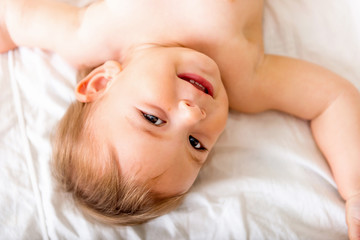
(129, 155)
(91, 173)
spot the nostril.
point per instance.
(188, 103)
(192, 110)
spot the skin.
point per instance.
(167, 157)
(229, 33)
(6, 42)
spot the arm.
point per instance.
(6, 42)
(77, 34)
(332, 105)
(41, 23)
(46, 24)
(330, 102)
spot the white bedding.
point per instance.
(266, 179)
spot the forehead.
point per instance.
(168, 170)
(163, 162)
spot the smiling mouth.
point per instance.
(198, 82)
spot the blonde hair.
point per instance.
(91, 172)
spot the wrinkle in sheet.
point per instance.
(25, 145)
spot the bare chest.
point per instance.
(184, 22)
(229, 31)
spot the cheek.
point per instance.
(223, 119)
(223, 112)
(155, 84)
(218, 121)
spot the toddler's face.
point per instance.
(163, 114)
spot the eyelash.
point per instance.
(153, 119)
(193, 141)
(196, 143)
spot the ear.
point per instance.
(95, 84)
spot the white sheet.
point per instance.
(266, 178)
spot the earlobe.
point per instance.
(95, 84)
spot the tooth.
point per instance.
(197, 84)
(200, 85)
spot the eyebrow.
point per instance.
(195, 159)
(140, 127)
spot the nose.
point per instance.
(190, 113)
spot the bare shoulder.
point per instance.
(5, 40)
(240, 64)
(193, 24)
(253, 24)
(97, 24)
(243, 55)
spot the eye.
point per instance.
(195, 143)
(153, 119)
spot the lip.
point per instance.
(208, 87)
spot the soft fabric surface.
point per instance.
(265, 179)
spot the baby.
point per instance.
(166, 73)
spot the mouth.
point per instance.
(199, 82)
